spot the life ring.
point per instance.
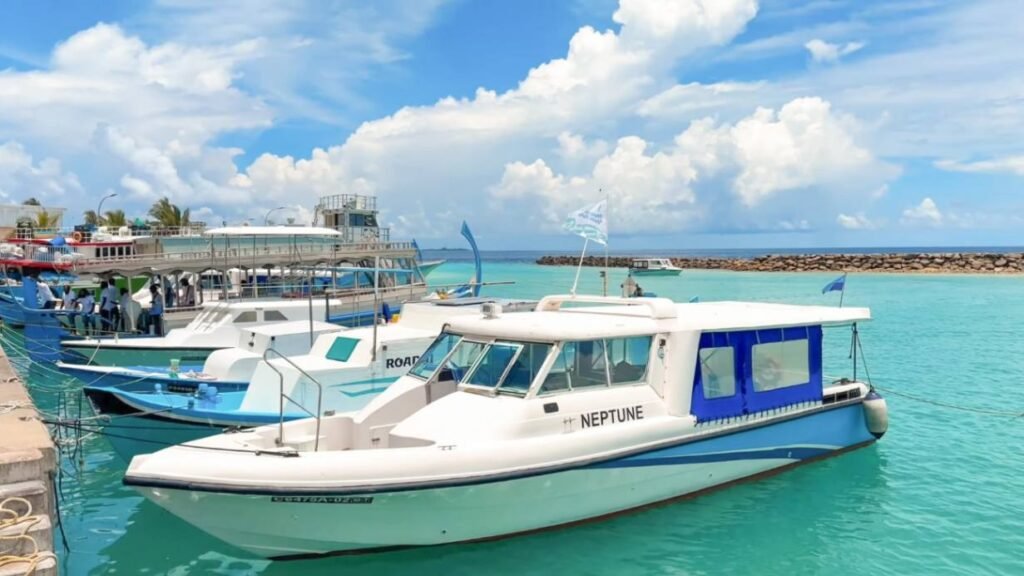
(77, 236)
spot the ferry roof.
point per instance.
(250, 231)
(634, 317)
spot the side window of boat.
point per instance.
(558, 378)
(780, 365)
(591, 364)
(628, 358)
(579, 365)
(432, 358)
(247, 316)
(718, 372)
(341, 349)
(492, 365)
(463, 358)
(525, 368)
(273, 316)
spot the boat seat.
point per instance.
(626, 372)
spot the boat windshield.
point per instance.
(508, 367)
(502, 366)
(432, 358)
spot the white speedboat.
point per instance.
(515, 423)
(340, 372)
(653, 267)
(218, 326)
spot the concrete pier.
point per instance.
(28, 461)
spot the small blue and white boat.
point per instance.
(508, 424)
(228, 369)
(341, 372)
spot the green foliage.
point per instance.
(168, 215)
(115, 218)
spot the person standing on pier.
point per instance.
(156, 310)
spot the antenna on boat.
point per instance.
(604, 284)
(376, 305)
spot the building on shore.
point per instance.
(12, 214)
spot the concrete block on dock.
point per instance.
(36, 492)
(46, 567)
(34, 534)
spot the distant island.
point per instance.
(940, 263)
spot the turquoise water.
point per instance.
(942, 493)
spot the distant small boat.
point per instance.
(653, 267)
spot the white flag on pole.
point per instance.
(591, 223)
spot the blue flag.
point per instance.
(837, 285)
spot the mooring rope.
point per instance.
(26, 520)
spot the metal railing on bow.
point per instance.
(283, 397)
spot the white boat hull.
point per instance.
(279, 523)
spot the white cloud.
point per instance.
(856, 221)
(1007, 164)
(21, 176)
(791, 166)
(804, 144)
(160, 95)
(682, 100)
(822, 51)
(316, 53)
(573, 147)
(449, 151)
(927, 213)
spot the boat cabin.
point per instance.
(712, 361)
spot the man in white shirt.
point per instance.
(129, 311)
(68, 300)
(110, 298)
(87, 305)
(46, 298)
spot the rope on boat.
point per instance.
(103, 432)
(972, 409)
(26, 521)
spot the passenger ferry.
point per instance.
(653, 267)
(508, 424)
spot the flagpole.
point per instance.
(842, 292)
(607, 217)
(580, 267)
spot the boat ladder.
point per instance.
(284, 397)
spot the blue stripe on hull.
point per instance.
(796, 439)
(794, 453)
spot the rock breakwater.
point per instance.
(945, 263)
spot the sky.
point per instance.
(704, 123)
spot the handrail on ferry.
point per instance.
(283, 397)
(658, 307)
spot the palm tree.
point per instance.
(45, 220)
(115, 218)
(166, 214)
(91, 218)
